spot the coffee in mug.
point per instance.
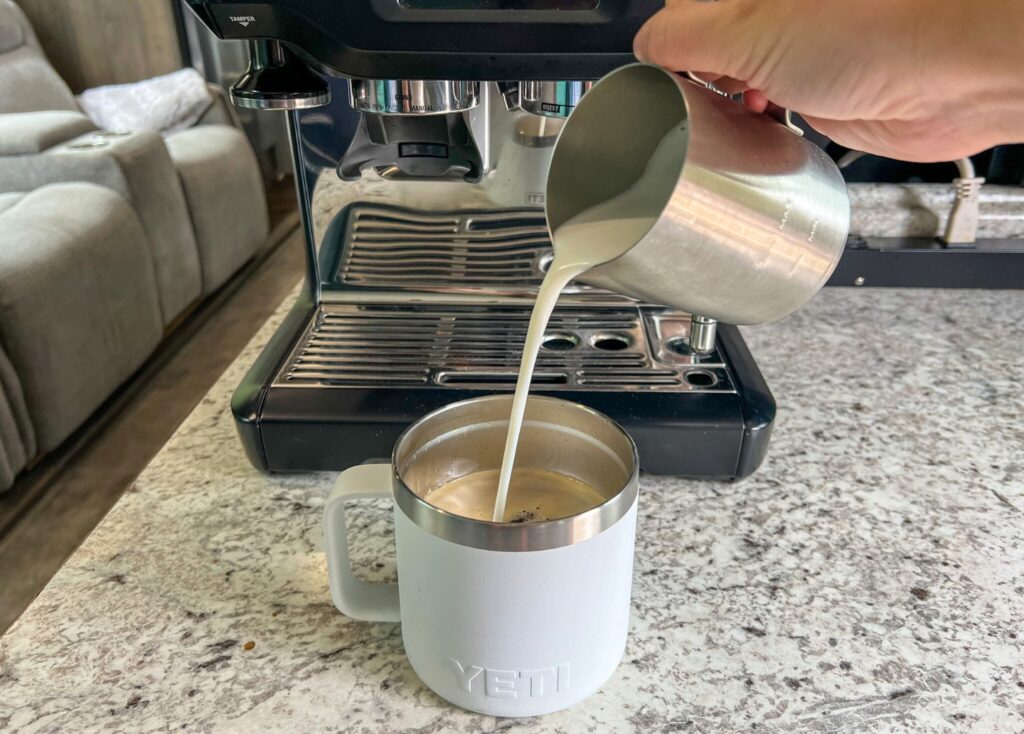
(534, 495)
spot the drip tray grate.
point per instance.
(586, 348)
(391, 247)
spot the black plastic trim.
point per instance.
(177, 11)
(309, 429)
(907, 262)
(756, 401)
(249, 398)
(299, 429)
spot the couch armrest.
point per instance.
(87, 158)
(137, 166)
(79, 302)
(220, 111)
(25, 133)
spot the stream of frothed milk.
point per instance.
(594, 236)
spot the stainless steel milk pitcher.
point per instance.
(755, 223)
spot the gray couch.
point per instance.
(198, 193)
(106, 238)
(79, 311)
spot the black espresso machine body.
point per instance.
(487, 40)
(422, 204)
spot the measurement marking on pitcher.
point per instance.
(785, 214)
(814, 231)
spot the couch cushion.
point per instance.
(155, 192)
(23, 133)
(17, 439)
(27, 81)
(225, 197)
(137, 166)
(13, 27)
(78, 301)
(9, 200)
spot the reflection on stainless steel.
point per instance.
(581, 442)
(413, 96)
(480, 347)
(515, 154)
(388, 246)
(538, 132)
(755, 225)
(552, 99)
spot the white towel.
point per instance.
(162, 104)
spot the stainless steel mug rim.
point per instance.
(503, 536)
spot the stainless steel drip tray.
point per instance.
(621, 349)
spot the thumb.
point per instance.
(723, 38)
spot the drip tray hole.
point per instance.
(679, 345)
(701, 378)
(611, 342)
(560, 342)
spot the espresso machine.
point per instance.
(421, 133)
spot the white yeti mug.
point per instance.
(508, 619)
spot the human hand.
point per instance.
(915, 80)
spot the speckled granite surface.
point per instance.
(921, 210)
(870, 577)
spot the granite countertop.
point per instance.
(869, 577)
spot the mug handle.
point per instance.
(355, 598)
(787, 115)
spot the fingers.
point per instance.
(755, 100)
(719, 37)
(849, 134)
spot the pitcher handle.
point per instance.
(355, 598)
(786, 118)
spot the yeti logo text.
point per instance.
(496, 683)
